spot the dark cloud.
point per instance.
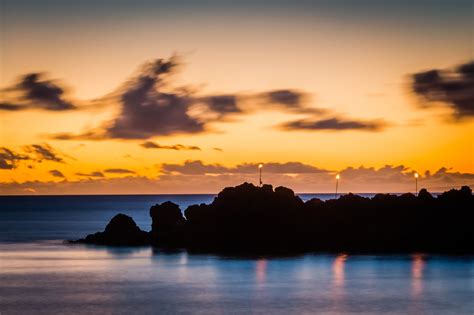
(148, 110)
(198, 167)
(177, 147)
(150, 106)
(56, 173)
(92, 174)
(33, 91)
(9, 159)
(11, 107)
(335, 124)
(289, 100)
(218, 149)
(45, 152)
(223, 104)
(119, 171)
(454, 88)
(285, 97)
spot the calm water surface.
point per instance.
(40, 275)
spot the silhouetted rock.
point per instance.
(120, 231)
(425, 195)
(251, 219)
(168, 224)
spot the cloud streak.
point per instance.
(35, 91)
(300, 177)
(198, 167)
(453, 88)
(56, 173)
(9, 159)
(151, 104)
(44, 152)
(119, 171)
(176, 147)
(91, 174)
(334, 124)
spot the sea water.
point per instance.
(41, 275)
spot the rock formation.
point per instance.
(247, 218)
(120, 231)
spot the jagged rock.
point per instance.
(168, 224)
(120, 231)
(248, 218)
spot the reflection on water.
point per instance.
(417, 274)
(46, 278)
(261, 270)
(338, 270)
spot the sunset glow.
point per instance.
(189, 98)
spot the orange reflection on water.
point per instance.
(261, 270)
(417, 267)
(338, 270)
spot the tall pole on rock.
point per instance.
(337, 184)
(416, 184)
(260, 166)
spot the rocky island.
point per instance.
(254, 219)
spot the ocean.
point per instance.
(39, 274)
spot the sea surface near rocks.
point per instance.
(41, 275)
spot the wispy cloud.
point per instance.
(176, 147)
(9, 159)
(334, 124)
(199, 167)
(91, 174)
(119, 171)
(57, 173)
(189, 178)
(151, 104)
(453, 88)
(35, 91)
(44, 152)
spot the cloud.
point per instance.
(150, 105)
(34, 91)
(453, 88)
(9, 159)
(362, 179)
(45, 152)
(177, 147)
(199, 168)
(56, 173)
(223, 104)
(194, 167)
(289, 100)
(218, 149)
(335, 124)
(119, 171)
(92, 174)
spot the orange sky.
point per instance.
(354, 68)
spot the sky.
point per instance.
(131, 97)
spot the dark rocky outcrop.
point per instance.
(251, 219)
(168, 226)
(120, 231)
